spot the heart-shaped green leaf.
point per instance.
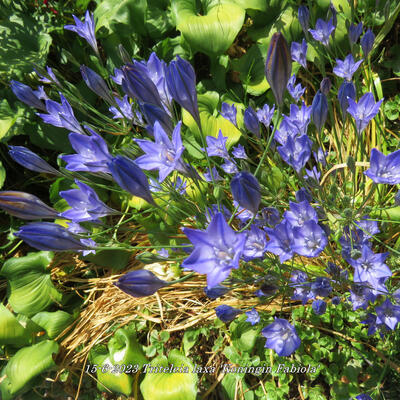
(16, 377)
(211, 120)
(211, 33)
(53, 322)
(29, 286)
(170, 385)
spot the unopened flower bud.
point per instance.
(246, 191)
(278, 67)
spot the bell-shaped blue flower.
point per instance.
(347, 90)
(25, 206)
(130, 177)
(140, 283)
(384, 169)
(246, 191)
(251, 121)
(278, 66)
(281, 337)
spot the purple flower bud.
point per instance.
(27, 95)
(346, 90)
(29, 160)
(251, 121)
(325, 86)
(97, 84)
(246, 191)
(216, 291)
(140, 283)
(367, 42)
(25, 206)
(304, 18)
(278, 66)
(49, 237)
(226, 313)
(319, 110)
(181, 83)
(355, 32)
(130, 178)
(137, 84)
(154, 114)
(319, 307)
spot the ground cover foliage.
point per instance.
(209, 202)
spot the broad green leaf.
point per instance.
(29, 286)
(170, 385)
(260, 5)
(23, 43)
(211, 33)
(18, 375)
(244, 335)
(53, 322)
(211, 120)
(125, 349)
(8, 118)
(108, 377)
(12, 331)
(124, 16)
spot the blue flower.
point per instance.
(309, 240)
(256, 243)
(181, 83)
(346, 68)
(281, 240)
(96, 83)
(217, 146)
(140, 283)
(229, 112)
(302, 286)
(388, 314)
(355, 32)
(164, 154)
(322, 31)
(346, 90)
(27, 95)
(265, 115)
(130, 177)
(296, 152)
(48, 236)
(29, 160)
(51, 77)
(321, 287)
(216, 291)
(239, 152)
(86, 205)
(304, 18)
(300, 213)
(278, 66)
(61, 115)
(367, 42)
(125, 106)
(319, 110)
(252, 316)
(299, 52)
(325, 86)
(92, 153)
(361, 295)
(216, 250)
(363, 111)
(85, 29)
(25, 206)
(251, 121)
(213, 175)
(370, 267)
(281, 337)
(300, 117)
(295, 91)
(246, 191)
(384, 169)
(319, 307)
(227, 313)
